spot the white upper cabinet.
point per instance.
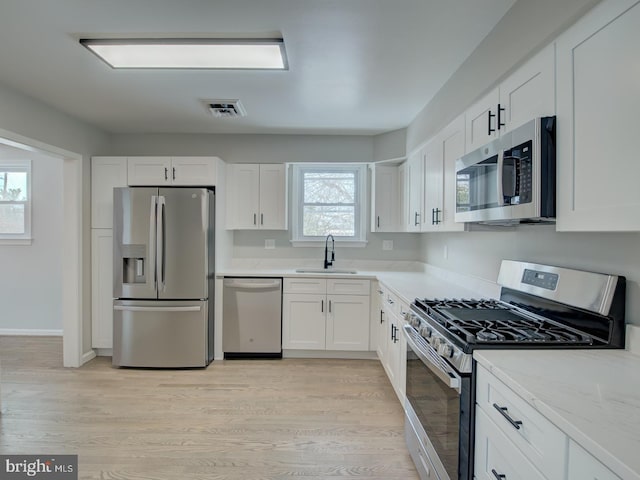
(106, 174)
(433, 184)
(452, 141)
(527, 93)
(415, 188)
(177, 171)
(195, 171)
(256, 196)
(598, 104)
(385, 198)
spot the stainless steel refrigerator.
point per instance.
(163, 277)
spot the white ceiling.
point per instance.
(356, 66)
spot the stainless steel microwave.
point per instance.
(512, 179)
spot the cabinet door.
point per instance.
(197, 171)
(303, 321)
(530, 91)
(348, 322)
(433, 184)
(393, 335)
(403, 205)
(482, 121)
(243, 181)
(149, 171)
(101, 288)
(452, 138)
(415, 191)
(384, 199)
(583, 466)
(273, 197)
(597, 110)
(106, 173)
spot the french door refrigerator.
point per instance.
(163, 277)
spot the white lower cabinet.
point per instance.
(514, 441)
(392, 346)
(583, 466)
(325, 314)
(101, 288)
(496, 457)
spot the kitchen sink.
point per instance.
(322, 270)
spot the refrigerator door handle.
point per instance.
(153, 239)
(129, 308)
(160, 243)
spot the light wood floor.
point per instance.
(313, 419)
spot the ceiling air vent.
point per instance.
(226, 108)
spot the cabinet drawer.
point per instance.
(337, 286)
(305, 285)
(540, 440)
(495, 455)
(583, 466)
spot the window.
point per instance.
(15, 201)
(329, 199)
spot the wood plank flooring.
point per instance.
(242, 419)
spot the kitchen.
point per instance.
(477, 253)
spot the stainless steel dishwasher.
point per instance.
(252, 318)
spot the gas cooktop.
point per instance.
(495, 322)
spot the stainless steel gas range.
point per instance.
(540, 306)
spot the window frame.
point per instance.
(298, 239)
(19, 238)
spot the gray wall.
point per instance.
(278, 149)
(32, 274)
(526, 28)
(31, 118)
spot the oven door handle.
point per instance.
(449, 377)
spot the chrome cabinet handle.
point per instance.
(381, 316)
(415, 220)
(504, 412)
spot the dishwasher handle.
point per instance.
(255, 285)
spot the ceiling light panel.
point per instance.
(196, 53)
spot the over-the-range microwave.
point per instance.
(511, 179)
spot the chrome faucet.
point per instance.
(327, 262)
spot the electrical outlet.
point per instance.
(269, 244)
(387, 244)
(445, 252)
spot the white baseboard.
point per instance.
(90, 355)
(331, 354)
(103, 352)
(30, 332)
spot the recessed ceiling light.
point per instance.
(190, 53)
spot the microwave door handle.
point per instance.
(500, 176)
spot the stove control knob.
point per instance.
(426, 332)
(445, 350)
(435, 342)
(413, 320)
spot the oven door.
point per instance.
(438, 408)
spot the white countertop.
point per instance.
(429, 282)
(592, 395)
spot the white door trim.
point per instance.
(72, 240)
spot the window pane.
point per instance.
(320, 221)
(12, 219)
(13, 186)
(329, 187)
